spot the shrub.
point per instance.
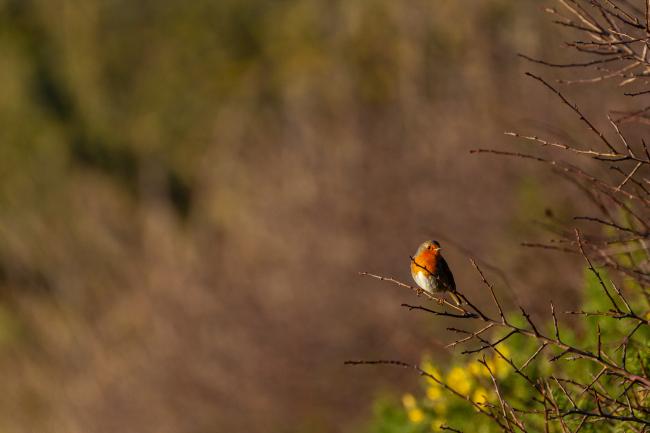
(588, 373)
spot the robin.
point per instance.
(431, 272)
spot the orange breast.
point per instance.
(426, 259)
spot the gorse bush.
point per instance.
(573, 371)
(454, 396)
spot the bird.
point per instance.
(431, 272)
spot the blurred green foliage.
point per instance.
(108, 85)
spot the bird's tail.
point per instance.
(455, 297)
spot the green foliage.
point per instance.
(389, 417)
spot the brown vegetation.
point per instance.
(188, 191)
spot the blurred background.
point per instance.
(189, 189)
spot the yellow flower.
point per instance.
(459, 380)
(480, 396)
(437, 423)
(409, 401)
(428, 368)
(434, 392)
(477, 369)
(415, 415)
(491, 366)
(501, 367)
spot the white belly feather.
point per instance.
(424, 281)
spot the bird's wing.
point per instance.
(445, 275)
